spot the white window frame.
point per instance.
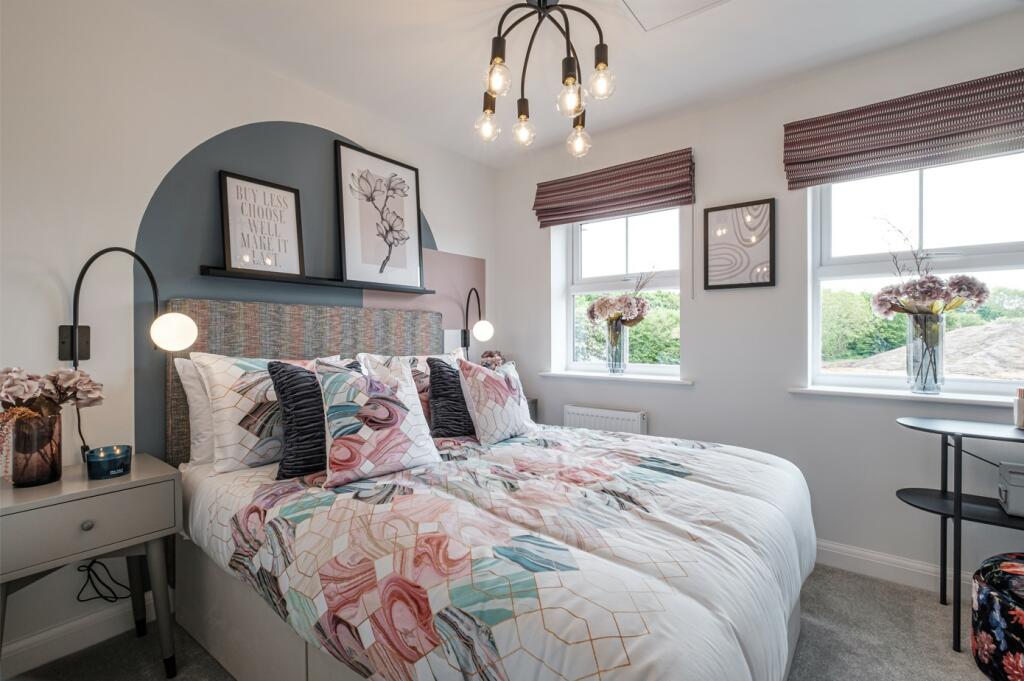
(945, 261)
(662, 280)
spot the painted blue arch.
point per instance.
(181, 230)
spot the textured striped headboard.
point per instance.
(287, 331)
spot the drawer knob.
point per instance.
(87, 525)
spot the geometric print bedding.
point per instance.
(371, 430)
(570, 554)
(495, 401)
(248, 431)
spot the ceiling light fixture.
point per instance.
(572, 97)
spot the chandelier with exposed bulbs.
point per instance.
(572, 97)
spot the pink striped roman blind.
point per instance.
(664, 181)
(979, 118)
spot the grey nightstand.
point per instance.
(47, 527)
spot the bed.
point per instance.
(563, 554)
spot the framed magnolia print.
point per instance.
(262, 226)
(380, 227)
(739, 245)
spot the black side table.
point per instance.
(957, 505)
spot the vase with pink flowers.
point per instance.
(619, 312)
(30, 424)
(925, 300)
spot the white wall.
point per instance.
(746, 348)
(99, 100)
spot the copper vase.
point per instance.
(34, 449)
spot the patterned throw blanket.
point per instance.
(569, 554)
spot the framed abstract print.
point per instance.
(739, 245)
(379, 205)
(262, 226)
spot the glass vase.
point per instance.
(924, 352)
(31, 448)
(616, 346)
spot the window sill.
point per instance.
(907, 396)
(618, 378)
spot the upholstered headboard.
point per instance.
(287, 331)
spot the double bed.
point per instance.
(562, 554)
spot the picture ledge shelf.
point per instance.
(621, 378)
(209, 271)
(906, 395)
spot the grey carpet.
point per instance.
(853, 628)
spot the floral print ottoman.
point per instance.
(997, 617)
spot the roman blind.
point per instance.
(654, 183)
(961, 122)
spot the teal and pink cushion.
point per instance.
(247, 427)
(997, 617)
(370, 429)
(419, 368)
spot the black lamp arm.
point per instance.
(597, 26)
(465, 318)
(519, 5)
(78, 291)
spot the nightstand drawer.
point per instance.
(62, 530)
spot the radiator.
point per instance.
(605, 419)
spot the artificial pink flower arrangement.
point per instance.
(46, 394)
(492, 359)
(929, 294)
(628, 307)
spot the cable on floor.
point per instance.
(102, 586)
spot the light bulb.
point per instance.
(483, 331)
(524, 132)
(578, 142)
(601, 83)
(487, 127)
(499, 79)
(173, 331)
(572, 100)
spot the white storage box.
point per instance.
(1011, 488)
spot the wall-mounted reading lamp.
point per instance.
(171, 331)
(483, 330)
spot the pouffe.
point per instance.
(997, 617)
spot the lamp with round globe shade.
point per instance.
(171, 331)
(483, 330)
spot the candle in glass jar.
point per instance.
(108, 462)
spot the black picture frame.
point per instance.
(229, 263)
(342, 194)
(770, 281)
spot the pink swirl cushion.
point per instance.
(370, 430)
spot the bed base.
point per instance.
(235, 625)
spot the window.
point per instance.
(966, 218)
(608, 257)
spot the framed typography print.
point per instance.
(739, 245)
(262, 226)
(379, 205)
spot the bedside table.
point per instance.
(47, 527)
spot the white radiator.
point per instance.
(605, 419)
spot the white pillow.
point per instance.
(200, 414)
